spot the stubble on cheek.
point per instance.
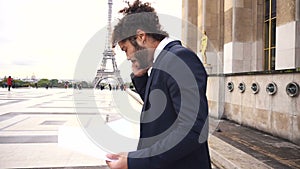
(142, 57)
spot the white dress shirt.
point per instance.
(158, 49)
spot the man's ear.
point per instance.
(141, 37)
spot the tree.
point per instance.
(43, 83)
(3, 82)
(54, 83)
(20, 83)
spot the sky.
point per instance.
(46, 38)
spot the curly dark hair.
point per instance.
(138, 16)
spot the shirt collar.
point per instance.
(159, 48)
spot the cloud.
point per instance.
(4, 40)
(24, 62)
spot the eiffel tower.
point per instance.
(108, 55)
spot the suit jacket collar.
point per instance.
(160, 56)
(164, 52)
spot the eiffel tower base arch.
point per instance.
(108, 75)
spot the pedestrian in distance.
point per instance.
(110, 87)
(172, 81)
(9, 82)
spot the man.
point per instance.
(171, 80)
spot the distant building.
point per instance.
(33, 77)
(254, 53)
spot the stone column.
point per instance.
(211, 20)
(287, 35)
(190, 22)
(240, 35)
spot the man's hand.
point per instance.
(119, 161)
(137, 71)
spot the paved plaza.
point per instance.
(30, 120)
(42, 128)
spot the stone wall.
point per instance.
(235, 30)
(277, 114)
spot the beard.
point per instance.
(142, 56)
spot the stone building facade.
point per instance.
(253, 60)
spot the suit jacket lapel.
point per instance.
(155, 65)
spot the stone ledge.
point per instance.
(225, 156)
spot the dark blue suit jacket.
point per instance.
(174, 126)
